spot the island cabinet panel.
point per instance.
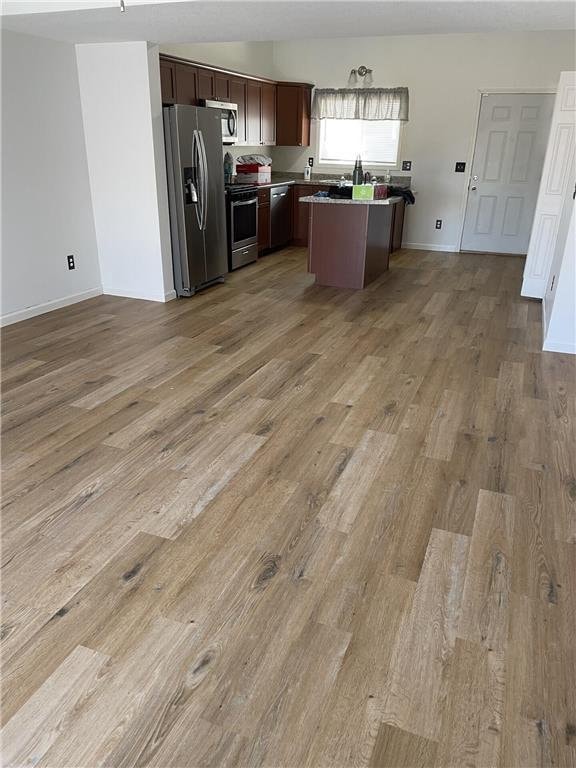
(301, 212)
(268, 114)
(293, 102)
(237, 92)
(168, 82)
(253, 109)
(397, 226)
(186, 84)
(205, 84)
(349, 242)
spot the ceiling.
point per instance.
(252, 20)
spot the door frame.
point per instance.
(472, 147)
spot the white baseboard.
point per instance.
(534, 287)
(568, 348)
(161, 297)
(549, 345)
(431, 247)
(48, 306)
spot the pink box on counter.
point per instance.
(254, 174)
(380, 191)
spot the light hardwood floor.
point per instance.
(283, 525)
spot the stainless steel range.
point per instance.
(242, 220)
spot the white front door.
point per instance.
(508, 158)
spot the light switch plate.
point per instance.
(406, 165)
(460, 168)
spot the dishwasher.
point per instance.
(280, 216)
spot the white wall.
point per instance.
(46, 205)
(444, 74)
(120, 95)
(250, 58)
(160, 170)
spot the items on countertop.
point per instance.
(404, 192)
(254, 169)
(228, 168)
(254, 160)
(358, 173)
(371, 191)
(252, 173)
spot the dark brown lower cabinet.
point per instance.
(263, 220)
(301, 212)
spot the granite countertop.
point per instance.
(280, 178)
(331, 200)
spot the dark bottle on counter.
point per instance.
(358, 173)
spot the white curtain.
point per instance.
(360, 104)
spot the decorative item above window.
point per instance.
(360, 104)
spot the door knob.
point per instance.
(474, 188)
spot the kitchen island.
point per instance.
(351, 240)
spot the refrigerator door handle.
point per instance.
(205, 181)
(196, 162)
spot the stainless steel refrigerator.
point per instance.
(193, 138)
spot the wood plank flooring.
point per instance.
(284, 525)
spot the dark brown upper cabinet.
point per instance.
(168, 82)
(253, 108)
(293, 102)
(205, 84)
(221, 87)
(237, 91)
(186, 84)
(268, 114)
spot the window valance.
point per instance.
(360, 104)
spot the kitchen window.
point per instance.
(376, 141)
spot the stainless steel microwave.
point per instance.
(228, 120)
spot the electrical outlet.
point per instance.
(460, 168)
(311, 162)
(438, 223)
(70, 260)
(406, 165)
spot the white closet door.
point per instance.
(557, 175)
